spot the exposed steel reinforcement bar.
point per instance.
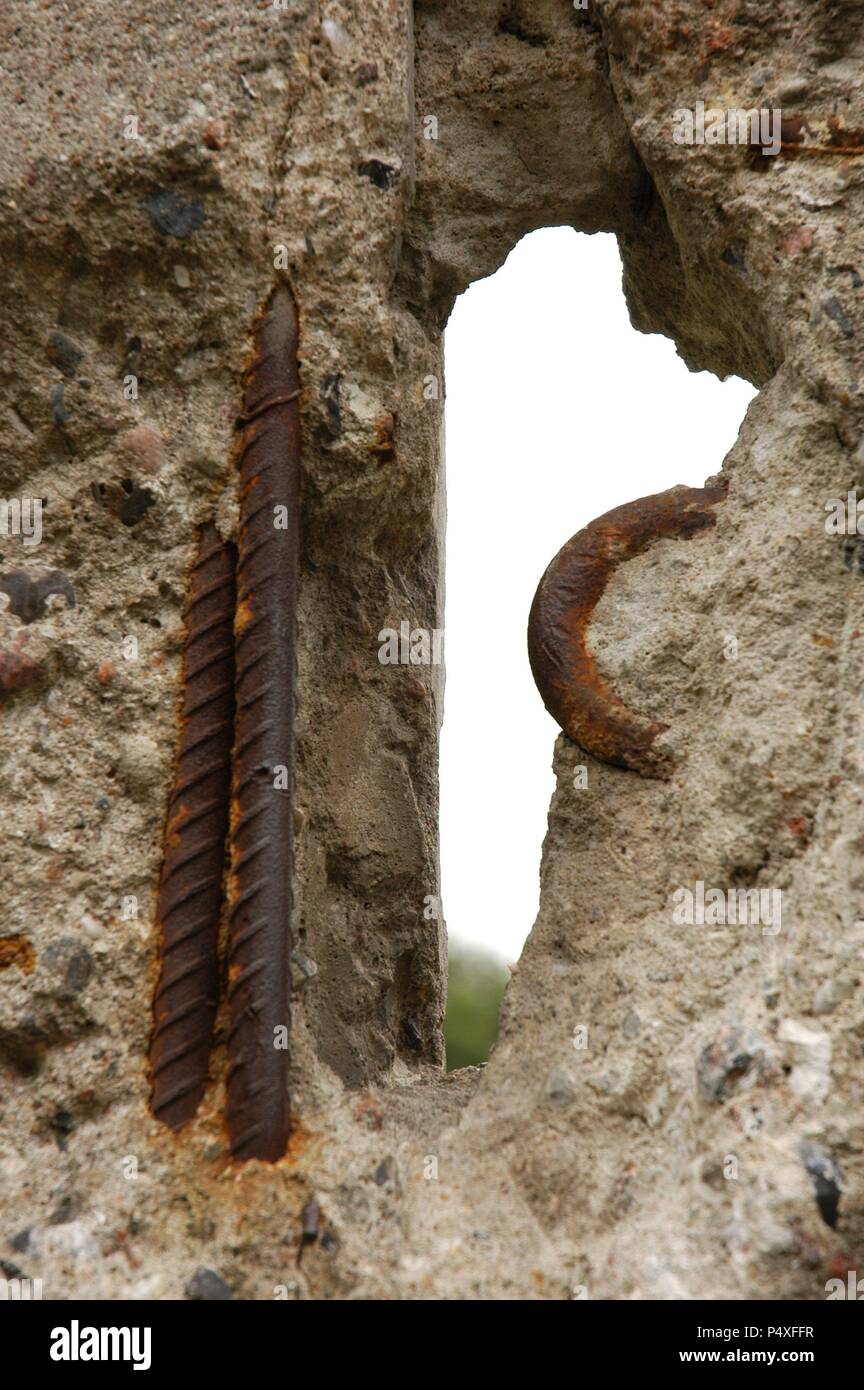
(564, 668)
(259, 982)
(190, 886)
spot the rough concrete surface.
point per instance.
(161, 165)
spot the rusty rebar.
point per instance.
(259, 980)
(565, 671)
(190, 886)
(811, 135)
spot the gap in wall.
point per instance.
(556, 410)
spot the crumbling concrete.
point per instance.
(638, 1131)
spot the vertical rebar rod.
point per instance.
(259, 980)
(190, 885)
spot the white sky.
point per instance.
(557, 410)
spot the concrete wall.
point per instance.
(297, 137)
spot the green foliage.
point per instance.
(476, 984)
